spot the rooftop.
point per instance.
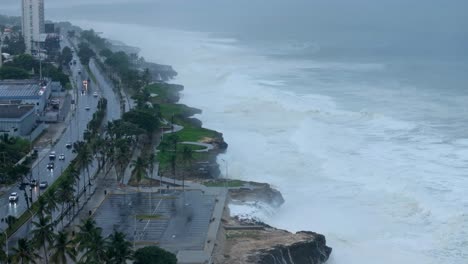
(20, 88)
(14, 110)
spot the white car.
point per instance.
(13, 197)
(62, 157)
(43, 184)
(87, 108)
(95, 94)
(52, 155)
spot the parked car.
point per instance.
(43, 184)
(13, 197)
(50, 166)
(62, 157)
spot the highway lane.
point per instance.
(76, 126)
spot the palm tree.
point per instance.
(90, 242)
(96, 249)
(43, 234)
(121, 155)
(62, 249)
(75, 176)
(65, 193)
(51, 203)
(3, 255)
(24, 253)
(119, 249)
(140, 167)
(83, 159)
(187, 157)
(151, 161)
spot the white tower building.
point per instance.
(32, 23)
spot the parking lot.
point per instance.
(176, 220)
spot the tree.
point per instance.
(90, 242)
(119, 250)
(187, 157)
(140, 167)
(83, 159)
(25, 62)
(85, 53)
(51, 203)
(24, 252)
(3, 255)
(154, 255)
(71, 33)
(62, 249)
(65, 193)
(7, 72)
(43, 234)
(66, 56)
(106, 53)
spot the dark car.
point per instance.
(22, 185)
(33, 183)
(68, 145)
(50, 166)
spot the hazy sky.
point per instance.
(429, 15)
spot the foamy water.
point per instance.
(382, 185)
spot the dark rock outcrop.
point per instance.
(257, 192)
(313, 251)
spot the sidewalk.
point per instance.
(103, 184)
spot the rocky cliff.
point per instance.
(254, 244)
(311, 249)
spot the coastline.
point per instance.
(206, 171)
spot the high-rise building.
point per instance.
(32, 23)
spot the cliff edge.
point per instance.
(255, 242)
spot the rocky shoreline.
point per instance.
(239, 240)
(243, 240)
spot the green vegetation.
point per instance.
(170, 149)
(222, 183)
(8, 72)
(85, 53)
(12, 150)
(66, 56)
(31, 66)
(149, 217)
(154, 255)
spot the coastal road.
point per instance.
(75, 126)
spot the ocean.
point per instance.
(357, 112)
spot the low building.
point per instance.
(26, 92)
(17, 120)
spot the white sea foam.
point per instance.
(382, 188)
